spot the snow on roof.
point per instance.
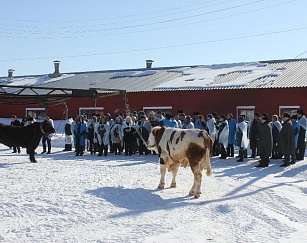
(32, 81)
(134, 73)
(204, 76)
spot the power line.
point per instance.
(152, 29)
(102, 19)
(126, 21)
(163, 47)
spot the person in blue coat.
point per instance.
(296, 128)
(168, 121)
(79, 136)
(232, 134)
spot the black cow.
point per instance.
(26, 137)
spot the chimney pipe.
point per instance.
(149, 63)
(10, 73)
(56, 70)
(56, 67)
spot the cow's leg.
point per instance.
(174, 172)
(31, 153)
(162, 172)
(195, 190)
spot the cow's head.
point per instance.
(155, 137)
(46, 127)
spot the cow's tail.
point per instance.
(208, 164)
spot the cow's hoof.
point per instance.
(34, 161)
(173, 185)
(192, 193)
(197, 195)
(161, 186)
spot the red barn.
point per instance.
(240, 88)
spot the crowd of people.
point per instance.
(268, 137)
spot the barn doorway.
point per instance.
(163, 109)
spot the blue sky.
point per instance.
(102, 35)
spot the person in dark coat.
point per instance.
(265, 142)
(16, 123)
(286, 139)
(143, 126)
(129, 130)
(276, 128)
(254, 134)
(302, 120)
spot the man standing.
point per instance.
(232, 134)
(286, 139)
(265, 144)
(47, 138)
(254, 134)
(302, 120)
(15, 123)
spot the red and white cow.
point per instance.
(187, 147)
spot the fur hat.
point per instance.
(301, 112)
(286, 115)
(294, 117)
(240, 119)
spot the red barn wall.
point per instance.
(205, 101)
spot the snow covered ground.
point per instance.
(64, 198)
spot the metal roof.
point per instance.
(291, 73)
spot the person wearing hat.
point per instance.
(286, 139)
(276, 128)
(47, 138)
(144, 128)
(223, 133)
(79, 131)
(232, 134)
(296, 128)
(16, 123)
(302, 121)
(265, 143)
(169, 121)
(241, 137)
(254, 134)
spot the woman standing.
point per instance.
(79, 137)
(102, 131)
(117, 135)
(241, 137)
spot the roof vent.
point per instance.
(56, 70)
(10, 73)
(149, 63)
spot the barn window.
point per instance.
(164, 109)
(247, 111)
(36, 113)
(288, 109)
(88, 111)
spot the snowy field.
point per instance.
(64, 198)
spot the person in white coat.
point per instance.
(223, 134)
(241, 137)
(68, 134)
(117, 135)
(102, 131)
